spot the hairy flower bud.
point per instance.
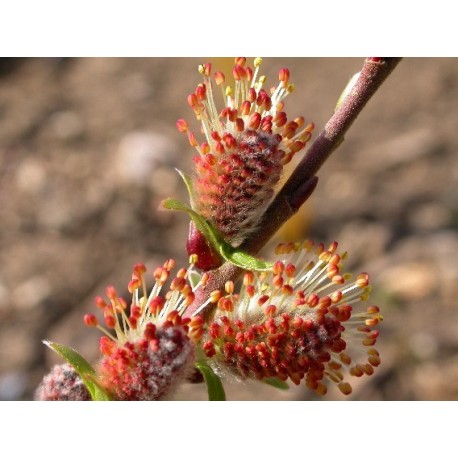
(62, 384)
(148, 369)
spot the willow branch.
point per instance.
(303, 180)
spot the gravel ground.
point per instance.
(88, 149)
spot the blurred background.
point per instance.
(88, 149)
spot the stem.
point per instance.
(303, 181)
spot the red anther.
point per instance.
(139, 268)
(192, 139)
(283, 76)
(267, 104)
(111, 292)
(174, 317)
(249, 73)
(182, 126)
(209, 349)
(134, 284)
(263, 299)
(362, 280)
(226, 304)
(248, 278)
(90, 320)
(290, 270)
(357, 371)
(373, 309)
(210, 159)
(336, 297)
(289, 130)
(192, 100)
(338, 280)
(219, 78)
(240, 61)
(215, 135)
(287, 290)
(374, 360)
(177, 284)
(229, 287)
(312, 300)
(238, 72)
(296, 146)
(150, 331)
(110, 321)
(135, 311)
(182, 273)
(225, 112)
(205, 148)
(201, 92)
(278, 268)
(277, 281)
(250, 290)
(207, 68)
(107, 346)
(310, 127)
(252, 96)
(133, 322)
(219, 148)
(280, 119)
(239, 125)
(245, 107)
(299, 121)
(156, 305)
(169, 264)
(266, 121)
(325, 302)
(255, 121)
(345, 388)
(100, 303)
(262, 95)
(233, 115)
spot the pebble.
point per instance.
(139, 154)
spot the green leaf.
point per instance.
(215, 388)
(84, 369)
(189, 186)
(227, 251)
(244, 260)
(276, 383)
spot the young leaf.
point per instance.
(276, 383)
(227, 251)
(84, 369)
(215, 388)
(189, 186)
(244, 260)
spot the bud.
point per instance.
(62, 384)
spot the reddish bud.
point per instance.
(207, 257)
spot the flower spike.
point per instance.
(247, 143)
(150, 351)
(303, 320)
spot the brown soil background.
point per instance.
(87, 152)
